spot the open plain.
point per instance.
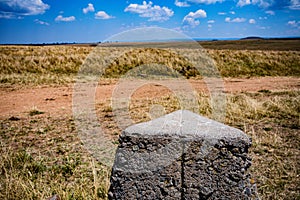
(40, 151)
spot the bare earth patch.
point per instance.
(57, 101)
(39, 143)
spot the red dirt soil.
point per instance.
(57, 101)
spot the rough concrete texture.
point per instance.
(182, 156)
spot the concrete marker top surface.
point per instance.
(186, 124)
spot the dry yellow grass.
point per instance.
(60, 64)
(42, 155)
(250, 63)
(40, 65)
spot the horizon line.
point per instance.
(170, 40)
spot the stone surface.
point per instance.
(181, 156)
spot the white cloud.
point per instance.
(232, 12)
(15, 8)
(186, 3)
(236, 20)
(252, 21)
(263, 3)
(242, 3)
(260, 3)
(8, 16)
(221, 13)
(227, 19)
(102, 15)
(209, 26)
(294, 24)
(270, 12)
(261, 18)
(205, 1)
(89, 8)
(178, 29)
(211, 21)
(41, 22)
(181, 3)
(148, 10)
(64, 19)
(295, 5)
(192, 17)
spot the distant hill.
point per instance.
(252, 38)
(271, 38)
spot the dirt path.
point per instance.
(57, 101)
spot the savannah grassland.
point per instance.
(41, 154)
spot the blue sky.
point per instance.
(47, 21)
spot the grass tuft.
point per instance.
(35, 111)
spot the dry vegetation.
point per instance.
(254, 44)
(250, 63)
(60, 64)
(41, 155)
(40, 65)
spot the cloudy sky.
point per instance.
(46, 21)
